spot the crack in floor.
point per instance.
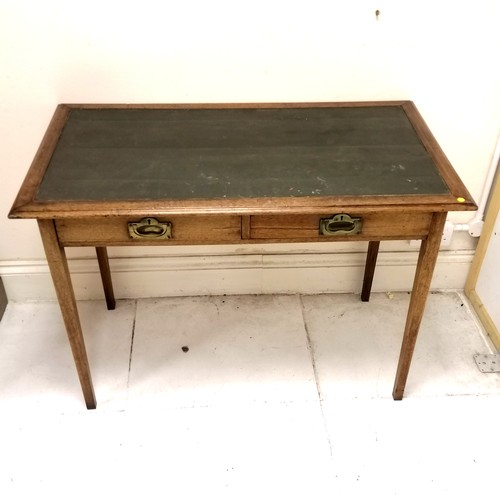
(315, 371)
(132, 343)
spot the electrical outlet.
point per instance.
(447, 234)
(449, 227)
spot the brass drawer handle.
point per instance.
(151, 229)
(340, 224)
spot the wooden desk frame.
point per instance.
(237, 221)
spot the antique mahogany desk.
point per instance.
(233, 174)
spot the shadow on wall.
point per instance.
(3, 299)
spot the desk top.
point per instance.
(102, 160)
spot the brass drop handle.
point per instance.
(151, 229)
(340, 224)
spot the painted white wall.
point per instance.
(487, 286)
(442, 55)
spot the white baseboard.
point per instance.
(160, 276)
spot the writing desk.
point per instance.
(232, 174)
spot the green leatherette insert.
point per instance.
(149, 154)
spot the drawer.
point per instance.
(375, 225)
(183, 230)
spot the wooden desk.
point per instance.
(208, 174)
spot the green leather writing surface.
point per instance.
(143, 154)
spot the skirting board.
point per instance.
(161, 276)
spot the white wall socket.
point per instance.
(449, 227)
(447, 234)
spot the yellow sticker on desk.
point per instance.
(460, 200)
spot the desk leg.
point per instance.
(371, 262)
(58, 265)
(425, 267)
(102, 259)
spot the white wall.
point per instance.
(442, 55)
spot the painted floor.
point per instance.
(248, 397)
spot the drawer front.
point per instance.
(183, 230)
(374, 225)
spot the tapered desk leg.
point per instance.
(102, 259)
(425, 267)
(371, 262)
(58, 266)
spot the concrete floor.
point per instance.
(248, 397)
